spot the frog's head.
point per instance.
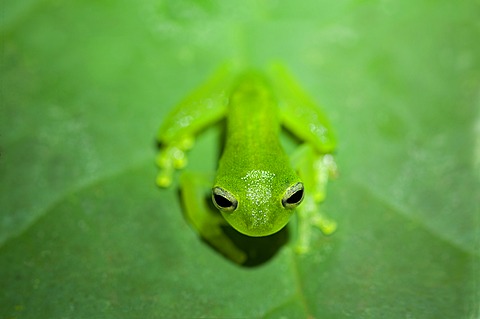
(258, 204)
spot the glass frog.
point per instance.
(257, 186)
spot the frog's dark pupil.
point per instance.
(222, 201)
(296, 197)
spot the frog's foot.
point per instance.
(326, 225)
(309, 217)
(315, 170)
(170, 158)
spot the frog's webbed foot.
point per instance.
(309, 215)
(172, 157)
(315, 170)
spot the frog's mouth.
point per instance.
(258, 224)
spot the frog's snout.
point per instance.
(258, 223)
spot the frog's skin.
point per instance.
(257, 186)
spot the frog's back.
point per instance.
(253, 126)
(254, 173)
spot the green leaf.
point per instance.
(84, 232)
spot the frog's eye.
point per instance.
(293, 196)
(223, 200)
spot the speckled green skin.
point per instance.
(254, 171)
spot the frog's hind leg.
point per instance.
(315, 170)
(206, 219)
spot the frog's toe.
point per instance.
(327, 226)
(301, 249)
(164, 179)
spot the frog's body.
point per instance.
(261, 173)
(257, 186)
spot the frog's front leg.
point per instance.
(203, 107)
(313, 160)
(196, 195)
(315, 171)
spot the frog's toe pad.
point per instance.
(163, 179)
(301, 249)
(327, 226)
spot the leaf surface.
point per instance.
(85, 233)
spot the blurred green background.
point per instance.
(85, 233)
